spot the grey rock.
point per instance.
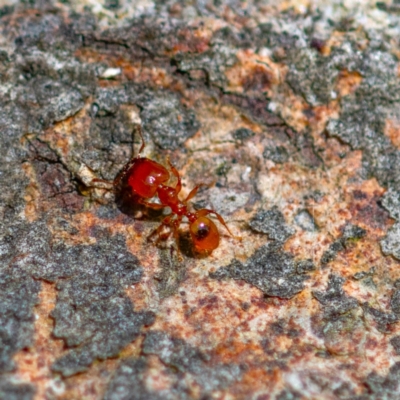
(270, 269)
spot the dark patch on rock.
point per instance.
(382, 319)
(12, 188)
(364, 274)
(307, 152)
(214, 61)
(107, 102)
(15, 391)
(59, 101)
(108, 143)
(353, 232)
(385, 387)
(272, 223)
(275, 40)
(257, 81)
(181, 369)
(393, 8)
(340, 321)
(20, 251)
(242, 134)
(391, 202)
(395, 342)
(110, 211)
(345, 391)
(277, 154)
(395, 302)
(257, 109)
(93, 315)
(28, 248)
(112, 5)
(164, 117)
(18, 295)
(129, 383)
(281, 327)
(391, 243)
(362, 123)
(167, 121)
(41, 151)
(181, 357)
(368, 209)
(317, 44)
(350, 232)
(56, 184)
(312, 75)
(156, 38)
(172, 273)
(51, 85)
(270, 269)
(334, 300)
(288, 394)
(332, 251)
(305, 266)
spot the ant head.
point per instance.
(204, 234)
(144, 176)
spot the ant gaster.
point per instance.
(145, 178)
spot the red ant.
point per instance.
(144, 178)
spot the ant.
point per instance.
(144, 178)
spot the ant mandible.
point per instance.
(145, 178)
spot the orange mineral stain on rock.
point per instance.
(253, 73)
(32, 194)
(34, 363)
(348, 82)
(392, 131)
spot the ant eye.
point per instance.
(204, 234)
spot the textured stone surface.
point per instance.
(270, 269)
(272, 223)
(93, 315)
(287, 112)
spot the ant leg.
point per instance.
(175, 227)
(176, 223)
(173, 224)
(178, 186)
(122, 173)
(127, 166)
(141, 136)
(154, 206)
(203, 212)
(157, 232)
(98, 183)
(194, 191)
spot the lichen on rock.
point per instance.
(270, 269)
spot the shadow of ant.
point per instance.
(128, 205)
(186, 247)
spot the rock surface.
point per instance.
(288, 113)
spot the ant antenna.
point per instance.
(143, 142)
